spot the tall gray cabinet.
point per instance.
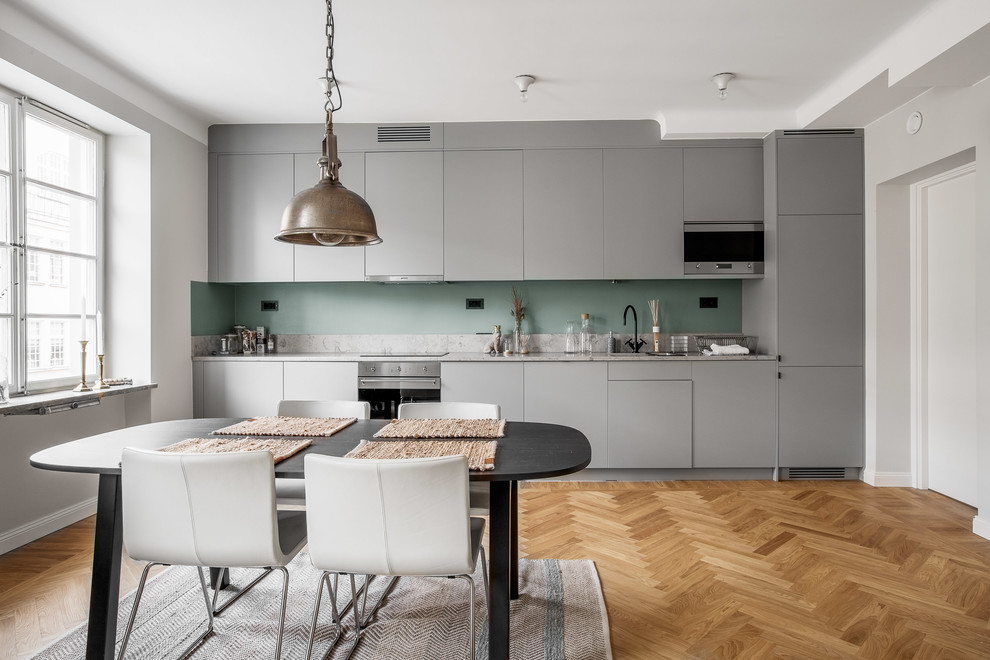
(808, 309)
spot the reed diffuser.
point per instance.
(655, 310)
(517, 315)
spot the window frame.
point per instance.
(21, 381)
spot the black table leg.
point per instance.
(105, 586)
(500, 543)
(514, 540)
(219, 578)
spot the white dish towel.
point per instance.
(731, 349)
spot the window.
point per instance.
(51, 205)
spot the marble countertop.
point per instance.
(475, 357)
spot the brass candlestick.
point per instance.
(100, 384)
(82, 386)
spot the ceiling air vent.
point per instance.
(825, 473)
(393, 134)
(822, 131)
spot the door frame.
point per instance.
(919, 319)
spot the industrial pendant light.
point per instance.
(328, 213)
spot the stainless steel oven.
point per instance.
(386, 384)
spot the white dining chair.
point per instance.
(480, 492)
(206, 510)
(292, 492)
(413, 520)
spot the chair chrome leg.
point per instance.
(471, 648)
(332, 592)
(217, 611)
(285, 603)
(134, 609)
(362, 616)
(484, 575)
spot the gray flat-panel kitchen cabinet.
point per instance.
(644, 213)
(485, 382)
(574, 394)
(245, 388)
(405, 191)
(562, 207)
(820, 174)
(820, 417)
(483, 215)
(312, 381)
(649, 424)
(734, 413)
(820, 290)
(723, 184)
(252, 190)
(322, 264)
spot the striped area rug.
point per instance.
(560, 615)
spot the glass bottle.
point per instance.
(570, 338)
(585, 334)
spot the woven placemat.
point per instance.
(280, 448)
(480, 453)
(306, 427)
(443, 428)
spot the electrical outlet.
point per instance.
(474, 303)
(708, 303)
(269, 305)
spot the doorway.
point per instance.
(945, 327)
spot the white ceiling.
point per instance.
(797, 62)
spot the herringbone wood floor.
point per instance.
(689, 570)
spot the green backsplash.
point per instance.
(373, 308)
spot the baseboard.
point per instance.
(981, 527)
(888, 479)
(35, 529)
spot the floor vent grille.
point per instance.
(404, 134)
(821, 131)
(820, 473)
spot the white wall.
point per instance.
(955, 122)
(156, 244)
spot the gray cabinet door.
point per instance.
(649, 424)
(252, 191)
(322, 264)
(563, 215)
(820, 290)
(723, 184)
(820, 174)
(574, 394)
(734, 414)
(644, 213)
(485, 382)
(311, 381)
(405, 191)
(821, 416)
(241, 389)
(483, 215)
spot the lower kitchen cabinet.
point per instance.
(821, 417)
(485, 382)
(245, 388)
(311, 381)
(649, 424)
(573, 394)
(734, 414)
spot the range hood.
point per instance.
(405, 279)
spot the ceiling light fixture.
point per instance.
(328, 213)
(721, 81)
(523, 82)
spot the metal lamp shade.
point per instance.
(328, 214)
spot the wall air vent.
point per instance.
(821, 474)
(392, 134)
(822, 131)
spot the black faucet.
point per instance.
(638, 343)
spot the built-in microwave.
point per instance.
(728, 249)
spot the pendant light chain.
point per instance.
(332, 86)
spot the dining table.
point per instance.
(528, 450)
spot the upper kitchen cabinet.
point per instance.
(483, 215)
(322, 264)
(820, 173)
(251, 193)
(723, 184)
(563, 207)
(644, 212)
(405, 191)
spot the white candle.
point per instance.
(82, 320)
(99, 332)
